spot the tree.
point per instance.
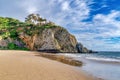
(35, 19)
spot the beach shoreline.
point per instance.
(24, 65)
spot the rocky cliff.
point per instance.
(50, 39)
(36, 34)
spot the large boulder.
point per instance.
(81, 48)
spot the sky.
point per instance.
(95, 23)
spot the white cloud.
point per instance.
(65, 6)
(108, 23)
(31, 10)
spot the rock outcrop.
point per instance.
(81, 48)
(51, 39)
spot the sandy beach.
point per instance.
(24, 65)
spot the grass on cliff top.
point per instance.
(9, 27)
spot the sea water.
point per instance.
(105, 65)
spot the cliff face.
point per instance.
(51, 39)
(36, 34)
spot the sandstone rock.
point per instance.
(3, 43)
(51, 39)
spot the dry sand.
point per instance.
(24, 65)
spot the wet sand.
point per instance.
(24, 65)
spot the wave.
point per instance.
(103, 59)
(93, 57)
(72, 55)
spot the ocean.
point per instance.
(105, 65)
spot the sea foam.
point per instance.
(103, 59)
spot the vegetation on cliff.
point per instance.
(11, 28)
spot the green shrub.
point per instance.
(13, 46)
(5, 35)
(13, 34)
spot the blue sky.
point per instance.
(95, 23)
